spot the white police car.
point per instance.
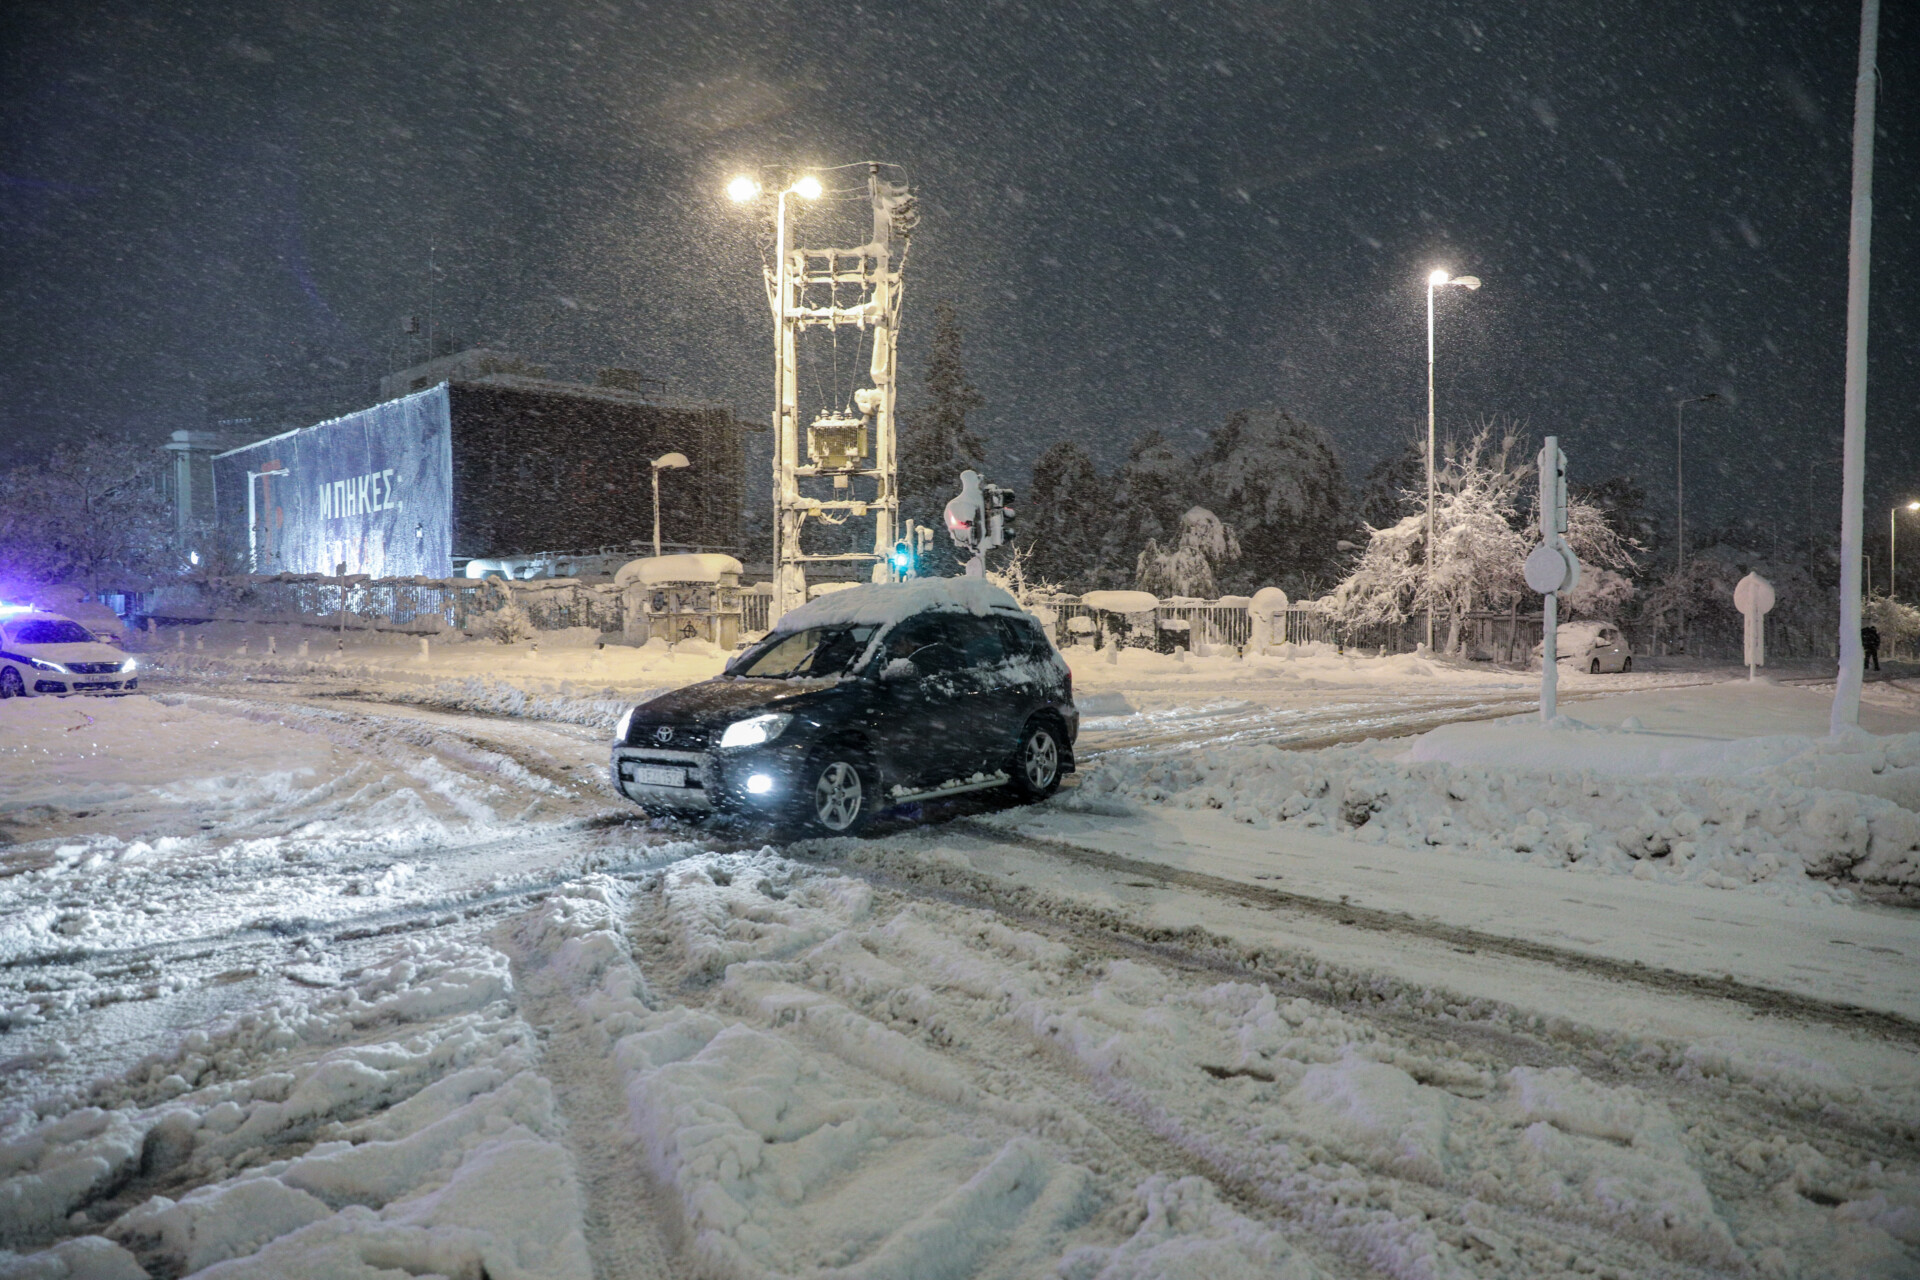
(43, 652)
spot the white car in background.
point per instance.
(1592, 647)
(50, 653)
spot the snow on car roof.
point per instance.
(705, 566)
(884, 603)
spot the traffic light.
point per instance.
(1000, 505)
(903, 565)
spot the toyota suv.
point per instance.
(861, 700)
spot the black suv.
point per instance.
(861, 700)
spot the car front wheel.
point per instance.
(11, 686)
(1627, 665)
(1593, 668)
(1036, 763)
(837, 796)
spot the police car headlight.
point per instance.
(44, 665)
(753, 732)
(626, 723)
(128, 665)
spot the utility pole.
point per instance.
(852, 442)
(1846, 688)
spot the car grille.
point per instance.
(88, 686)
(681, 737)
(92, 668)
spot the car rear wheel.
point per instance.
(1627, 665)
(1593, 668)
(837, 795)
(1036, 762)
(11, 686)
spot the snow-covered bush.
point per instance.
(507, 623)
(1189, 567)
(1898, 624)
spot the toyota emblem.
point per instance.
(663, 734)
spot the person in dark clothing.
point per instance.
(1870, 641)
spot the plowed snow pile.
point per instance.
(1780, 812)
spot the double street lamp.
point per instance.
(1680, 500)
(1438, 279)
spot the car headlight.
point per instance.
(128, 665)
(626, 723)
(753, 732)
(44, 665)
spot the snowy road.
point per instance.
(344, 979)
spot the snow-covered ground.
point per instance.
(351, 964)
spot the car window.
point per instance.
(817, 651)
(50, 631)
(1025, 639)
(980, 640)
(914, 634)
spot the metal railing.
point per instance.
(426, 606)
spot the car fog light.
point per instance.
(759, 784)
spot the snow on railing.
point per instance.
(415, 605)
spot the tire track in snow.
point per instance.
(1761, 999)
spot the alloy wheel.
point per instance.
(837, 796)
(1041, 760)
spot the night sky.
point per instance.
(1146, 215)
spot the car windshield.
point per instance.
(815, 652)
(51, 631)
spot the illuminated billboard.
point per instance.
(372, 491)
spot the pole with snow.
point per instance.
(1434, 281)
(1550, 569)
(1846, 689)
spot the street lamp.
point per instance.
(1680, 501)
(1437, 280)
(665, 462)
(1893, 549)
(789, 588)
(253, 523)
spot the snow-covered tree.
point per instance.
(1064, 516)
(1191, 566)
(1149, 497)
(1805, 579)
(1484, 526)
(936, 444)
(1277, 481)
(91, 514)
(1387, 492)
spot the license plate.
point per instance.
(656, 775)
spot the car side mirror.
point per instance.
(899, 669)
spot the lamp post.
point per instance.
(665, 462)
(1680, 500)
(1434, 281)
(253, 522)
(1893, 548)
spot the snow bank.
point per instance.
(1767, 812)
